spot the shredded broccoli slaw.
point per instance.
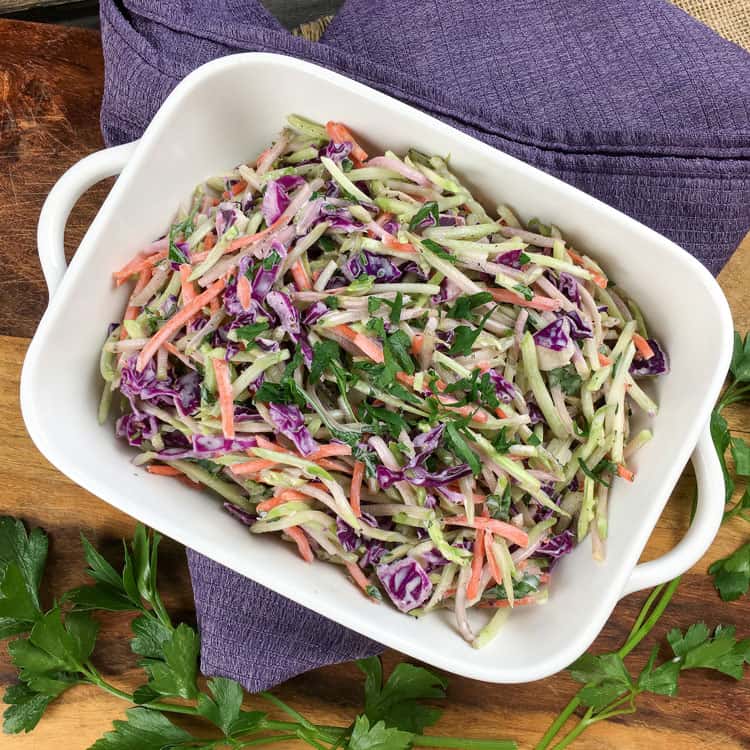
(353, 353)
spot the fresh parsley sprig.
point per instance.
(55, 655)
(732, 573)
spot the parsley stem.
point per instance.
(577, 730)
(429, 740)
(644, 611)
(287, 709)
(558, 723)
(268, 740)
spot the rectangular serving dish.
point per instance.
(225, 113)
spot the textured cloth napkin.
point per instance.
(631, 100)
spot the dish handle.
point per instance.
(50, 233)
(708, 514)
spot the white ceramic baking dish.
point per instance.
(225, 113)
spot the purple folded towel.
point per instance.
(632, 101)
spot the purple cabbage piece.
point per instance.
(554, 336)
(265, 277)
(568, 285)
(248, 519)
(426, 443)
(227, 214)
(381, 268)
(336, 152)
(578, 329)
(136, 428)
(558, 545)
(289, 421)
(573, 486)
(175, 439)
(374, 551)
(346, 535)
(391, 226)
(535, 413)
(406, 583)
(420, 477)
(314, 313)
(275, 201)
(168, 307)
(504, 389)
(268, 345)
(309, 215)
(512, 258)
(290, 181)
(183, 393)
(430, 502)
(450, 220)
(286, 313)
(217, 445)
(451, 496)
(411, 267)
(246, 414)
(657, 365)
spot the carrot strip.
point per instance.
(251, 467)
(359, 577)
(280, 499)
(177, 321)
(326, 463)
(404, 247)
(604, 361)
(366, 345)
(210, 241)
(625, 473)
(188, 288)
(497, 574)
(416, 344)
(330, 450)
(241, 242)
(537, 302)
(507, 530)
(339, 133)
(214, 305)
(238, 187)
(189, 482)
(301, 279)
(137, 264)
(477, 563)
(643, 347)
(244, 292)
(358, 474)
(226, 399)
(402, 377)
(132, 311)
(175, 352)
(500, 413)
(597, 278)
(299, 537)
(163, 471)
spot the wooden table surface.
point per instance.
(49, 107)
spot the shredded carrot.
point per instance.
(326, 463)
(163, 471)
(507, 530)
(299, 537)
(643, 347)
(315, 276)
(188, 287)
(596, 277)
(301, 279)
(394, 244)
(262, 156)
(359, 577)
(484, 366)
(368, 346)
(604, 361)
(497, 574)
(251, 467)
(417, 343)
(477, 563)
(177, 321)
(329, 451)
(239, 187)
(290, 494)
(225, 195)
(244, 292)
(339, 133)
(402, 377)
(500, 413)
(625, 473)
(272, 502)
(241, 242)
(209, 241)
(132, 311)
(214, 306)
(137, 264)
(358, 474)
(175, 352)
(537, 302)
(226, 399)
(189, 482)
